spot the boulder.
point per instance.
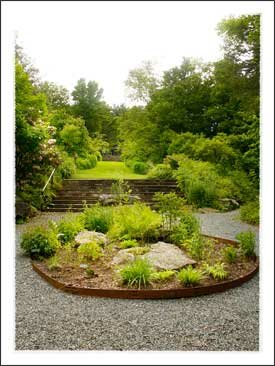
(88, 236)
(229, 204)
(164, 256)
(123, 257)
(112, 199)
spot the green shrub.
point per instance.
(128, 244)
(67, 168)
(161, 171)
(87, 162)
(139, 250)
(121, 191)
(244, 189)
(185, 229)
(189, 276)
(250, 213)
(201, 194)
(195, 246)
(137, 221)
(247, 243)
(162, 276)
(230, 254)
(98, 218)
(136, 274)
(216, 271)
(90, 251)
(69, 227)
(140, 167)
(53, 263)
(40, 242)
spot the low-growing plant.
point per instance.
(230, 254)
(90, 251)
(195, 246)
(139, 250)
(247, 243)
(216, 271)
(139, 167)
(161, 171)
(128, 244)
(53, 263)
(40, 242)
(69, 227)
(137, 273)
(89, 272)
(187, 227)
(136, 221)
(162, 276)
(121, 191)
(250, 213)
(189, 276)
(98, 218)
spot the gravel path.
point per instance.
(48, 319)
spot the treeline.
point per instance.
(199, 123)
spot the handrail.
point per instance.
(52, 173)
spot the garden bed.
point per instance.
(105, 281)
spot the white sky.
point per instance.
(102, 41)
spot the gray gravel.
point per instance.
(48, 319)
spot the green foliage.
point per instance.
(137, 221)
(98, 218)
(67, 168)
(139, 250)
(39, 242)
(89, 272)
(216, 271)
(90, 251)
(140, 167)
(230, 254)
(53, 263)
(250, 212)
(87, 162)
(170, 207)
(128, 244)
(189, 276)
(69, 227)
(161, 171)
(187, 227)
(136, 274)
(247, 241)
(121, 190)
(195, 246)
(162, 276)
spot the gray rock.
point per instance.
(123, 256)
(229, 203)
(88, 236)
(111, 199)
(164, 256)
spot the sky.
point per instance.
(103, 41)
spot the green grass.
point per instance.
(108, 170)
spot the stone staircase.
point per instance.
(74, 192)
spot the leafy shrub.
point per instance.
(140, 167)
(195, 246)
(69, 227)
(137, 221)
(230, 254)
(201, 194)
(247, 243)
(250, 213)
(40, 242)
(162, 276)
(128, 244)
(185, 229)
(67, 168)
(136, 274)
(90, 251)
(121, 190)
(98, 218)
(189, 276)
(216, 271)
(170, 207)
(87, 162)
(161, 171)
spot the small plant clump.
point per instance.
(247, 243)
(162, 276)
(90, 251)
(230, 254)
(40, 243)
(189, 276)
(250, 213)
(136, 274)
(98, 218)
(139, 250)
(128, 244)
(69, 227)
(216, 271)
(53, 264)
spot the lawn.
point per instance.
(108, 170)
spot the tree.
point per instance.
(142, 83)
(57, 96)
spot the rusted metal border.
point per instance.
(152, 294)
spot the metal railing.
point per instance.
(48, 181)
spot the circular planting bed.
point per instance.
(102, 277)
